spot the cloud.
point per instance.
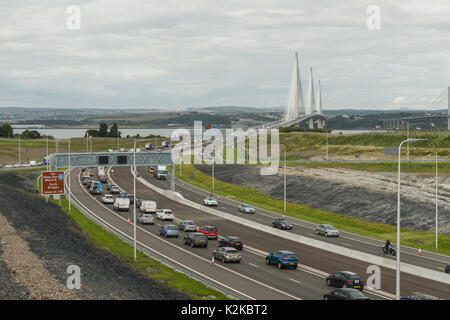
(201, 53)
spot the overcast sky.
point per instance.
(192, 53)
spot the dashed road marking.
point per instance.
(294, 280)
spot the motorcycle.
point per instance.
(389, 250)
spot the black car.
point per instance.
(345, 279)
(282, 224)
(89, 183)
(447, 268)
(231, 241)
(138, 203)
(345, 294)
(196, 239)
(131, 197)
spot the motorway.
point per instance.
(409, 255)
(252, 278)
(312, 257)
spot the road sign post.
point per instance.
(52, 183)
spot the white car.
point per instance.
(164, 214)
(245, 208)
(210, 201)
(108, 198)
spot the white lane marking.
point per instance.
(294, 280)
(194, 189)
(307, 269)
(201, 258)
(347, 244)
(254, 265)
(151, 249)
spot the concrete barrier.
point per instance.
(350, 253)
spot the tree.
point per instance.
(33, 134)
(92, 133)
(103, 131)
(114, 130)
(6, 130)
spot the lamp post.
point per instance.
(70, 197)
(19, 151)
(397, 286)
(436, 196)
(134, 194)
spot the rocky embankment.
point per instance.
(38, 242)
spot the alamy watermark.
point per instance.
(373, 21)
(73, 21)
(237, 147)
(74, 280)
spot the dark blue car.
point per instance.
(282, 259)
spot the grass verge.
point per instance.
(415, 239)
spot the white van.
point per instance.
(33, 164)
(122, 204)
(148, 206)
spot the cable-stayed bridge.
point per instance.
(296, 110)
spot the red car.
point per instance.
(210, 232)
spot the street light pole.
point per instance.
(134, 194)
(437, 230)
(284, 178)
(397, 285)
(70, 197)
(19, 151)
(326, 157)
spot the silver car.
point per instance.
(146, 219)
(327, 230)
(245, 208)
(187, 225)
(227, 254)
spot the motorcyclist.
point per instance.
(387, 245)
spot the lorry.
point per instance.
(148, 206)
(161, 173)
(121, 204)
(149, 146)
(102, 175)
(96, 187)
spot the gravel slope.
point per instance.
(56, 241)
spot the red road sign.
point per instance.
(52, 182)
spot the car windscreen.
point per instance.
(171, 228)
(356, 294)
(199, 235)
(189, 222)
(353, 277)
(290, 256)
(234, 239)
(328, 227)
(210, 228)
(147, 216)
(232, 251)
